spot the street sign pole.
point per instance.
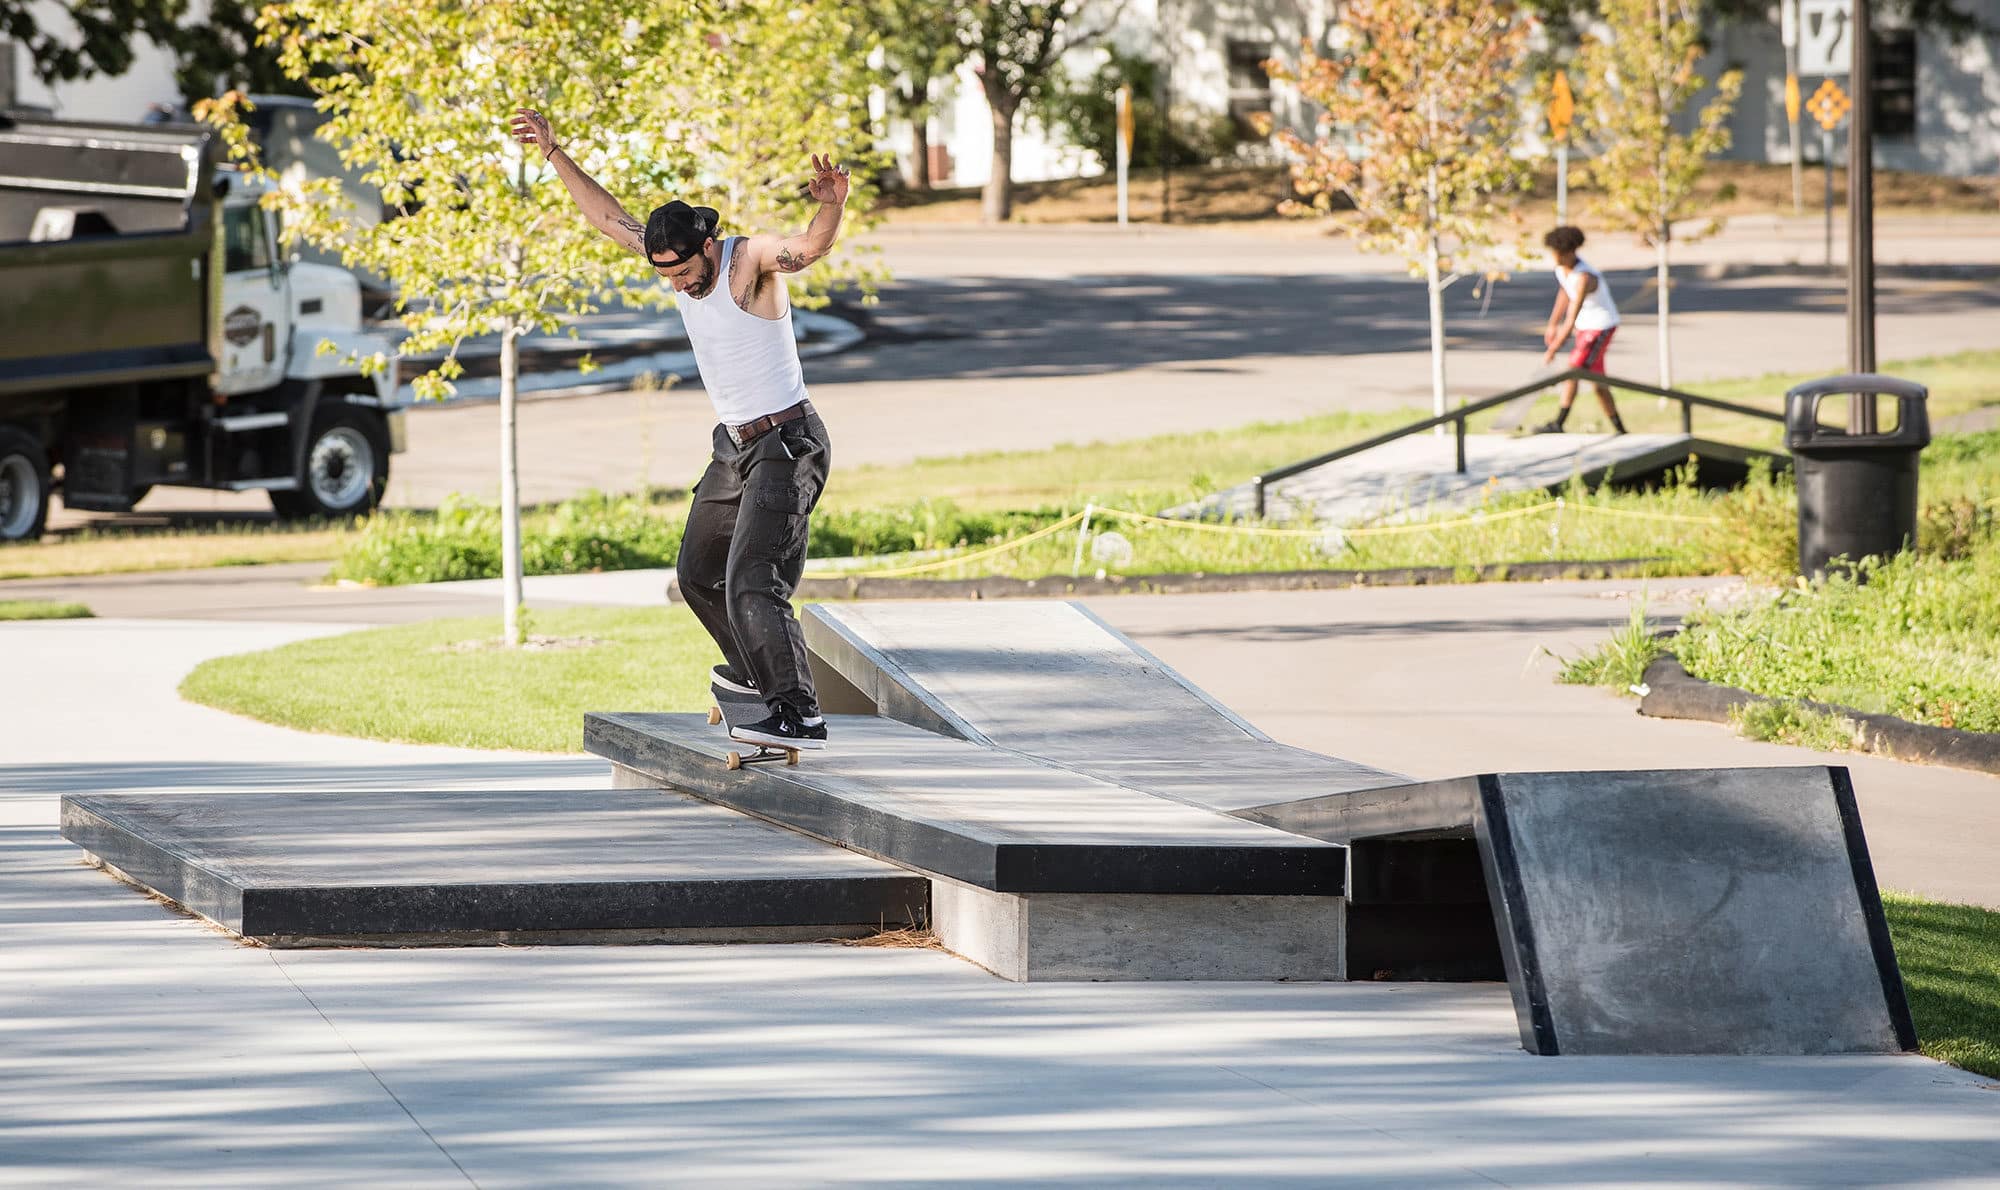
(1826, 161)
(1124, 150)
(1861, 215)
(1562, 109)
(1788, 26)
(1829, 105)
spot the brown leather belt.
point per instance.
(750, 431)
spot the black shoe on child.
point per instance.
(783, 728)
(729, 679)
(1548, 427)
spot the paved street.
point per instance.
(1025, 337)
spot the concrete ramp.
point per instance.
(1679, 911)
(1053, 681)
(1037, 872)
(1418, 475)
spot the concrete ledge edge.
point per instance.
(1674, 693)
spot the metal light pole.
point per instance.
(1861, 217)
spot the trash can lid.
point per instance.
(1860, 382)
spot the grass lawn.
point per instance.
(1950, 956)
(132, 551)
(41, 609)
(448, 682)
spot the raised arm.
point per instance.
(796, 253)
(598, 207)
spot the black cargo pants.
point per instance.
(745, 547)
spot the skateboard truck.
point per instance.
(765, 753)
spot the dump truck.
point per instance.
(153, 332)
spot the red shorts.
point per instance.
(1590, 347)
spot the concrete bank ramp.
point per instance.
(1053, 681)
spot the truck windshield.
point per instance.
(244, 244)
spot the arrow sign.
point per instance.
(1562, 107)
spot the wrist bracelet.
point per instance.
(553, 150)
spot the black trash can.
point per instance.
(1857, 485)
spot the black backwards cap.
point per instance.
(678, 230)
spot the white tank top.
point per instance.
(1599, 311)
(749, 365)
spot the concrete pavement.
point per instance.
(145, 1047)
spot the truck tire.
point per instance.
(346, 467)
(24, 485)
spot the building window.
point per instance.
(1895, 108)
(1249, 84)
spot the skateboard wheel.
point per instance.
(714, 716)
(735, 760)
(791, 758)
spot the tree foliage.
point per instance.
(1421, 113)
(1634, 82)
(1084, 112)
(1017, 45)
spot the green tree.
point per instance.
(1633, 84)
(652, 97)
(920, 45)
(1017, 44)
(1084, 112)
(1421, 114)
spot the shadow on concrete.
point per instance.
(1006, 327)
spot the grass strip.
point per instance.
(449, 681)
(1950, 957)
(42, 609)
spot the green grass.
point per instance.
(41, 609)
(408, 684)
(1619, 662)
(1919, 640)
(1958, 383)
(1793, 723)
(1950, 957)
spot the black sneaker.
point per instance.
(729, 679)
(1548, 427)
(783, 728)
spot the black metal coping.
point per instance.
(979, 815)
(329, 865)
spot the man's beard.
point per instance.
(707, 283)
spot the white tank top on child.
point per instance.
(749, 365)
(1599, 311)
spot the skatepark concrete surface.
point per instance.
(148, 1047)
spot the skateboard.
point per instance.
(731, 709)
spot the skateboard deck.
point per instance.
(731, 709)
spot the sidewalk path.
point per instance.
(145, 1048)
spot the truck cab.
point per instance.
(151, 332)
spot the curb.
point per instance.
(1061, 587)
(1673, 693)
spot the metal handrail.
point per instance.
(1456, 418)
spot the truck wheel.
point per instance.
(346, 470)
(24, 486)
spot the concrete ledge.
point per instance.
(1064, 587)
(456, 868)
(979, 815)
(1674, 693)
(1052, 937)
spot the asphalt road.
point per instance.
(1023, 337)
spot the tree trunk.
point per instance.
(997, 201)
(1666, 344)
(920, 151)
(510, 492)
(1436, 288)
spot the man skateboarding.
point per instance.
(745, 543)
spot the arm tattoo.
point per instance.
(792, 262)
(637, 229)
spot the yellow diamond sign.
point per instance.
(1562, 107)
(1829, 105)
